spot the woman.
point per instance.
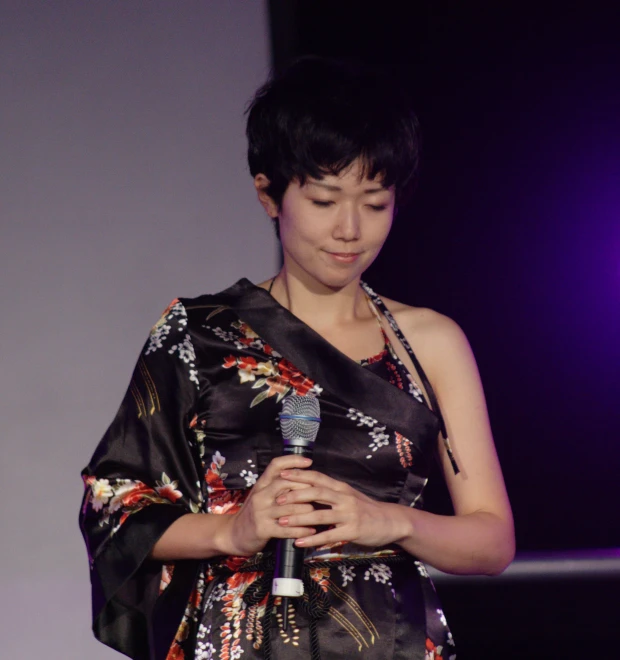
(188, 491)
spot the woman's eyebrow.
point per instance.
(332, 188)
(327, 186)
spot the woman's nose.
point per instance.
(348, 225)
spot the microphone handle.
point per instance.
(289, 568)
(300, 450)
(288, 571)
(289, 564)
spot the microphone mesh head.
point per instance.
(302, 429)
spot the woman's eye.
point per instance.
(378, 207)
(322, 203)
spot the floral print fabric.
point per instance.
(198, 425)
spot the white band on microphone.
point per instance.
(291, 587)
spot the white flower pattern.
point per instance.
(161, 333)
(382, 573)
(235, 652)
(414, 390)
(243, 332)
(442, 617)
(218, 459)
(377, 432)
(348, 574)
(379, 437)
(101, 493)
(185, 350)
(157, 338)
(205, 650)
(249, 476)
(219, 591)
(360, 418)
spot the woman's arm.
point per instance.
(193, 536)
(479, 538)
(468, 544)
(479, 542)
(242, 534)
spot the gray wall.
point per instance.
(123, 184)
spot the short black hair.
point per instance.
(321, 114)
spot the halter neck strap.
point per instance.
(378, 304)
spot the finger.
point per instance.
(311, 494)
(265, 504)
(335, 535)
(293, 532)
(282, 486)
(277, 491)
(313, 477)
(267, 498)
(288, 510)
(280, 463)
(313, 518)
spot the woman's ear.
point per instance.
(261, 183)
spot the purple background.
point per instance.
(514, 230)
(515, 233)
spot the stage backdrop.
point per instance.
(123, 184)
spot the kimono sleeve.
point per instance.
(143, 476)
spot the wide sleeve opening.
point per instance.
(143, 476)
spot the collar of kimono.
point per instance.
(315, 357)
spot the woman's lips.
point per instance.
(344, 257)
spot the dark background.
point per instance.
(514, 232)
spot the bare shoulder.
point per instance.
(435, 338)
(423, 323)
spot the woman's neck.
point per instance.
(317, 304)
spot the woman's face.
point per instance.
(332, 229)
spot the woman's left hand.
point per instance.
(354, 517)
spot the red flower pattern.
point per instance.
(432, 652)
(395, 377)
(221, 499)
(136, 495)
(175, 652)
(166, 577)
(230, 361)
(321, 577)
(403, 446)
(278, 378)
(169, 492)
(290, 375)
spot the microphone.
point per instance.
(299, 421)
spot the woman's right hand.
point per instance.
(247, 532)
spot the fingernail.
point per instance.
(283, 521)
(285, 473)
(300, 542)
(307, 460)
(281, 499)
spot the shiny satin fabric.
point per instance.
(197, 427)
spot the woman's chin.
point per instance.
(338, 281)
(334, 276)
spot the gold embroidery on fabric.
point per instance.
(359, 612)
(137, 397)
(150, 386)
(292, 624)
(349, 627)
(216, 309)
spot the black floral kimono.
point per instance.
(198, 425)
